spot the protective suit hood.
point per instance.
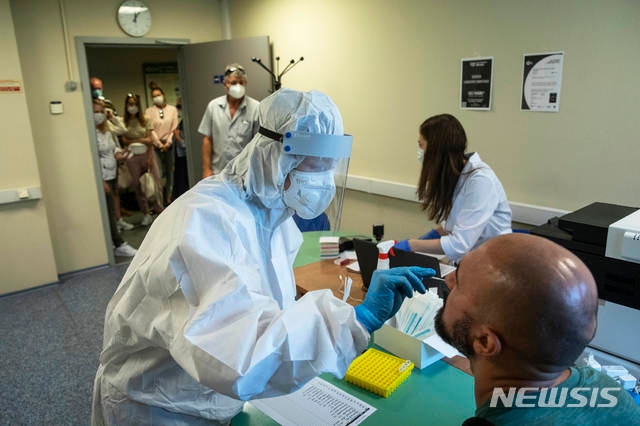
(262, 166)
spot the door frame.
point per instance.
(83, 67)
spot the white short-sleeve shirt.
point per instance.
(106, 149)
(229, 135)
(480, 210)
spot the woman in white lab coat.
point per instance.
(458, 190)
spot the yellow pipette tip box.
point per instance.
(378, 372)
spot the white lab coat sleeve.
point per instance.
(239, 342)
(479, 199)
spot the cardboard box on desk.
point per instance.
(421, 353)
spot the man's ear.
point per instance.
(485, 341)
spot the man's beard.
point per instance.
(461, 339)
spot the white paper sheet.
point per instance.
(354, 266)
(441, 346)
(436, 255)
(446, 269)
(316, 403)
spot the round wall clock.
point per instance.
(134, 17)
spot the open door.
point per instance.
(201, 67)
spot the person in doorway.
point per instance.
(229, 122)
(116, 126)
(96, 88)
(108, 165)
(522, 309)
(138, 141)
(458, 190)
(164, 122)
(180, 175)
(206, 316)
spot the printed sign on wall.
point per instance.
(10, 86)
(541, 81)
(476, 82)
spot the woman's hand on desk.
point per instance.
(387, 290)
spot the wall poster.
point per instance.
(541, 81)
(475, 83)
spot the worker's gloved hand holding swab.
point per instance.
(387, 290)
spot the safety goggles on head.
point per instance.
(312, 144)
(231, 70)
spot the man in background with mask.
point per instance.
(206, 316)
(96, 88)
(113, 121)
(229, 122)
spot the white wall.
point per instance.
(64, 156)
(390, 65)
(26, 253)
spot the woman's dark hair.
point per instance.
(139, 115)
(442, 165)
(157, 88)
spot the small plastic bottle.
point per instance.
(383, 253)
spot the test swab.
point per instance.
(347, 288)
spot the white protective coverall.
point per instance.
(205, 316)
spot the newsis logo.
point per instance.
(555, 397)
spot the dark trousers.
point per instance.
(165, 160)
(181, 176)
(116, 238)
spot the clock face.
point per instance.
(134, 18)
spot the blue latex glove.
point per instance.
(387, 290)
(431, 235)
(403, 245)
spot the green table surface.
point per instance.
(436, 395)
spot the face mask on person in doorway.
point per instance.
(237, 91)
(98, 117)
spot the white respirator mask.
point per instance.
(98, 117)
(237, 91)
(420, 154)
(158, 100)
(132, 109)
(310, 193)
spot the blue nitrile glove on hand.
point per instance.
(403, 245)
(431, 235)
(387, 290)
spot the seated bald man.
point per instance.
(522, 309)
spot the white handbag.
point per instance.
(148, 184)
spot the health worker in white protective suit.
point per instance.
(206, 317)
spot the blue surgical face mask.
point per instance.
(96, 93)
(420, 154)
(310, 193)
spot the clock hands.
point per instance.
(135, 17)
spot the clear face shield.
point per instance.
(317, 185)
